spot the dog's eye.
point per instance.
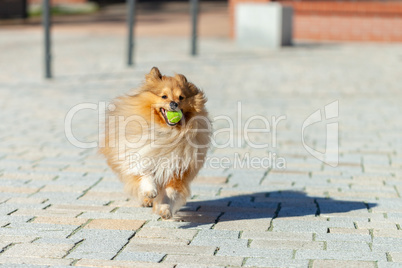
(164, 97)
(181, 98)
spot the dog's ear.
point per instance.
(198, 96)
(181, 79)
(154, 74)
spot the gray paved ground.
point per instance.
(61, 205)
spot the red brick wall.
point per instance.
(344, 21)
(333, 27)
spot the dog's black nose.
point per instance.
(173, 105)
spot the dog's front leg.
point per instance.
(171, 198)
(147, 190)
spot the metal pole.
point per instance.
(130, 21)
(194, 19)
(46, 26)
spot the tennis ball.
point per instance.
(173, 116)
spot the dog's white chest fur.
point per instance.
(169, 157)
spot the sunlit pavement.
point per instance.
(275, 206)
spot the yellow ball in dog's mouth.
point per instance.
(174, 117)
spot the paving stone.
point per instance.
(349, 218)
(26, 176)
(26, 200)
(118, 216)
(256, 225)
(181, 224)
(386, 246)
(339, 255)
(220, 242)
(269, 262)
(381, 240)
(115, 224)
(62, 189)
(393, 215)
(96, 244)
(24, 206)
(173, 235)
(31, 261)
(37, 250)
(147, 240)
(210, 180)
(279, 244)
(209, 190)
(59, 220)
(47, 213)
(14, 219)
(91, 195)
(212, 260)
(253, 208)
(93, 254)
(32, 229)
(197, 216)
(58, 197)
(295, 211)
(387, 233)
(383, 264)
(172, 249)
(287, 236)
(140, 256)
(343, 237)
(256, 252)
(16, 238)
(81, 208)
(57, 241)
(300, 226)
(243, 221)
(194, 265)
(96, 234)
(342, 222)
(218, 234)
(249, 178)
(335, 230)
(338, 263)
(352, 246)
(376, 225)
(115, 263)
(396, 256)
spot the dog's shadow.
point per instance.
(264, 206)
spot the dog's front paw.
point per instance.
(147, 202)
(151, 193)
(164, 211)
(148, 188)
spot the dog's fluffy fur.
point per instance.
(156, 159)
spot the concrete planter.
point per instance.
(263, 25)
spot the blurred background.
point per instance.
(335, 20)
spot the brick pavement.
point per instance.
(61, 205)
